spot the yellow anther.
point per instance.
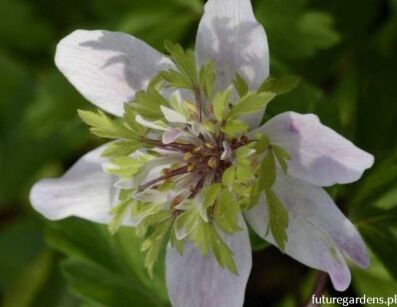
(191, 167)
(198, 148)
(213, 163)
(187, 156)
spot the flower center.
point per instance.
(185, 162)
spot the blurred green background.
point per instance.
(344, 50)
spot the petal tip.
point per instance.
(340, 281)
(40, 196)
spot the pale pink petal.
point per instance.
(319, 235)
(85, 191)
(227, 151)
(108, 68)
(172, 116)
(195, 280)
(230, 35)
(319, 154)
(171, 136)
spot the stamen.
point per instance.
(187, 156)
(213, 163)
(197, 93)
(168, 174)
(191, 167)
(198, 149)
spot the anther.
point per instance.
(198, 148)
(191, 167)
(187, 156)
(212, 163)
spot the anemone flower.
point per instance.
(190, 164)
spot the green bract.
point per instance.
(187, 163)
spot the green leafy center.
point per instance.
(187, 162)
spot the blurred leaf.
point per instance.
(169, 21)
(129, 249)
(387, 38)
(20, 242)
(383, 242)
(27, 268)
(378, 183)
(294, 31)
(20, 28)
(98, 284)
(12, 74)
(95, 255)
(374, 210)
(38, 125)
(353, 23)
(374, 282)
(376, 106)
(22, 293)
(84, 240)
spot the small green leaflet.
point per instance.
(228, 177)
(266, 177)
(186, 222)
(281, 156)
(176, 79)
(222, 252)
(211, 193)
(278, 218)
(234, 127)
(262, 143)
(125, 166)
(240, 85)
(129, 118)
(244, 169)
(207, 78)
(179, 245)
(152, 216)
(227, 212)
(220, 102)
(207, 240)
(147, 103)
(154, 243)
(184, 61)
(201, 236)
(280, 86)
(103, 126)
(121, 148)
(251, 103)
(118, 213)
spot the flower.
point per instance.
(189, 158)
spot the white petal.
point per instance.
(172, 116)
(195, 280)
(84, 191)
(319, 154)
(108, 68)
(230, 35)
(227, 151)
(318, 232)
(125, 184)
(157, 125)
(171, 136)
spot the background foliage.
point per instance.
(345, 51)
